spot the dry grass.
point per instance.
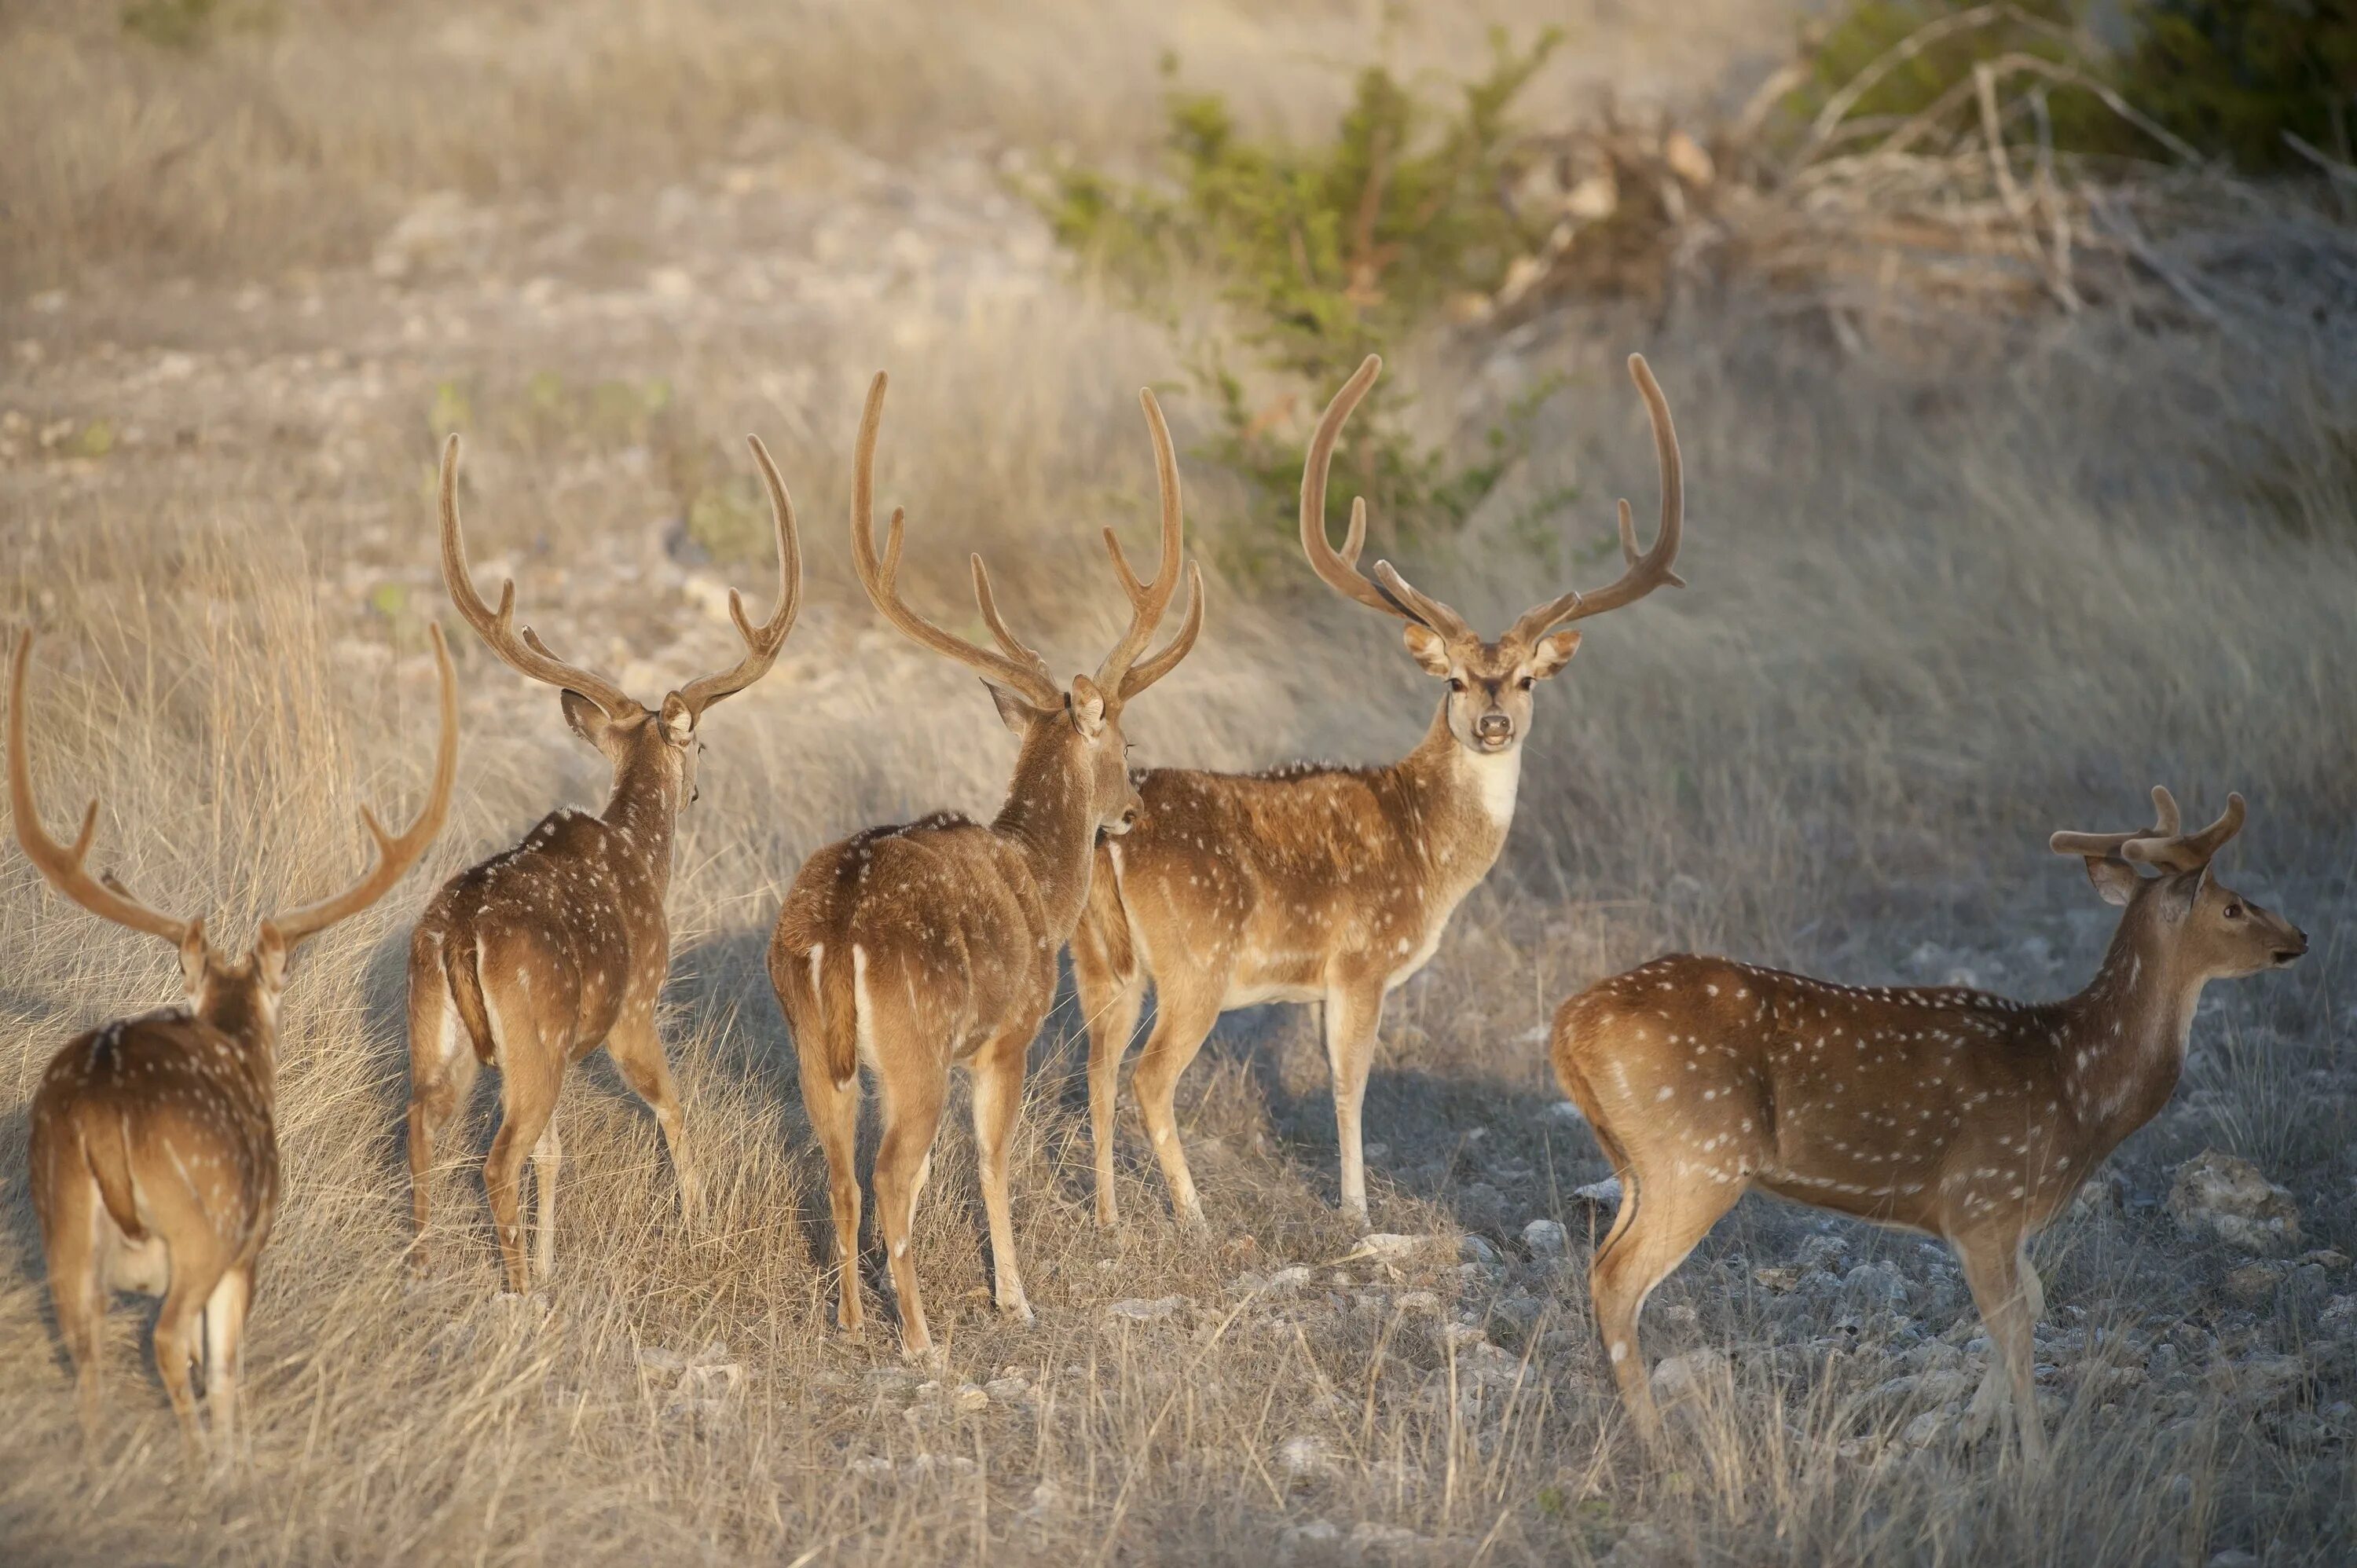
(1929, 622)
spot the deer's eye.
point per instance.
(1455, 685)
(2234, 911)
(1527, 681)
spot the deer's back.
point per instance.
(1910, 1104)
(943, 913)
(569, 907)
(1285, 869)
(160, 1100)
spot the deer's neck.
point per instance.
(250, 1022)
(1464, 800)
(643, 811)
(2122, 1038)
(1050, 815)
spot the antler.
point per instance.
(2172, 851)
(1121, 676)
(62, 867)
(1648, 570)
(760, 646)
(1392, 595)
(394, 855)
(1019, 668)
(2107, 846)
(524, 653)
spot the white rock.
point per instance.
(1928, 1427)
(1674, 1376)
(1303, 1455)
(1545, 1239)
(1390, 1246)
(1605, 1194)
(969, 1397)
(2220, 1196)
(1137, 1309)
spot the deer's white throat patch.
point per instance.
(1497, 777)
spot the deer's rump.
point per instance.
(930, 928)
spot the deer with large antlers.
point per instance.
(153, 1155)
(531, 960)
(907, 949)
(1950, 1111)
(1322, 883)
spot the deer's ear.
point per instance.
(587, 719)
(192, 956)
(2116, 880)
(269, 956)
(678, 721)
(1087, 705)
(1428, 648)
(1013, 710)
(1553, 653)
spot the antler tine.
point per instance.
(60, 866)
(524, 653)
(1147, 600)
(395, 854)
(1339, 570)
(762, 643)
(1645, 570)
(2171, 851)
(2110, 846)
(1028, 677)
(1146, 672)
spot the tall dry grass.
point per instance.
(1932, 619)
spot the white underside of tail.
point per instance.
(863, 1009)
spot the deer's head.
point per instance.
(630, 736)
(1085, 714)
(2202, 929)
(238, 994)
(1491, 683)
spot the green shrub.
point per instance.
(1874, 35)
(2233, 77)
(192, 24)
(1324, 253)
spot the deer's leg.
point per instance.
(1353, 1010)
(912, 1114)
(531, 1071)
(1110, 1004)
(442, 1065)
(546, 1155)
(997, 1099)
(76, 1249)
(225, 1311)
(834, 1110)
(636, 1049)
(2005, 1290)
(1655, 1239)
(196, 1271)
(1185, 1010)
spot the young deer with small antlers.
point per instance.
(531, 960)
(1320, 884)
(1955, 1113)
(153, 1157)
(909, 949)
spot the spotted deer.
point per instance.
(1312, 882)
(153, 1154)
(1968, 1116)
(907, 949)
(531, 960)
